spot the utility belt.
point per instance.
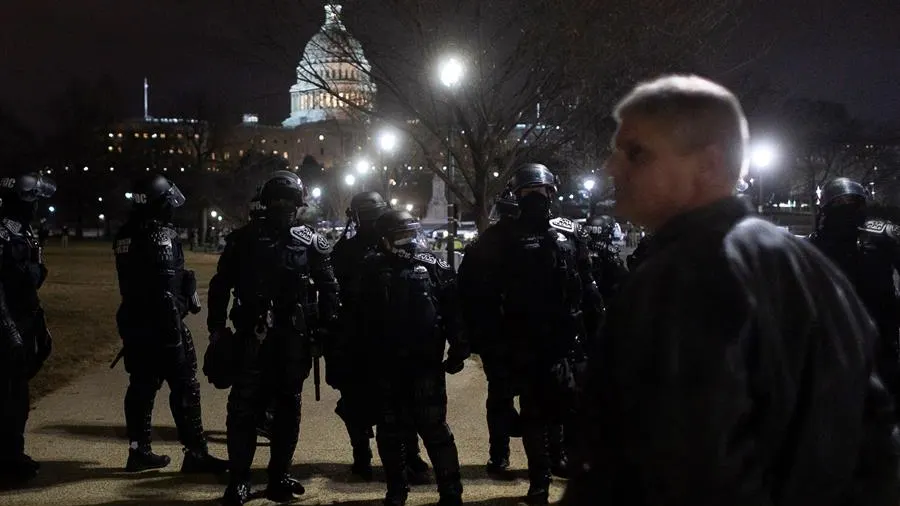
(258, 319)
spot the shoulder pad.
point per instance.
(875, 226)
(303, 234)
(564, 224)
(428, 258)
(322, 245)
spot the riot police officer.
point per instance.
(538, 273)
(349, 372)
(25, 342)
(868, 252)
(277, 272)
(503, 420)
(606, 259)
(157, 293)
(410, 313)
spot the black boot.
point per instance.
(396, 496)
(200, 461)
(560, 466)
(362, 463)
(417, 469)
(538, 495)
(284, 488)
(237, 493)
(498, 467)
(17, 472)
(142, 458)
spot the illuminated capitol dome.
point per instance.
(332, 60)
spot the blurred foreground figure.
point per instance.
(25, 342)
(737, 365)
(868, 252)
(157, 293)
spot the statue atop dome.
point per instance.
(332, 77)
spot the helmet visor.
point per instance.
(30, 187)
(173, 196)
(408, 238)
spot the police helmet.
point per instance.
(842, 191)
(27, 187)
(367, 207)
(532, 175)
(283, 188)
(157, 191)
(399, 230)
(257, 210)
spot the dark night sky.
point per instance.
(846, 51)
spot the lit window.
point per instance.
(110, 135)
(110, 148)
(119, 135)
(263, 141)
(275, 152)
(227, 155)
(146, 136)
(241, 152)
(137, 135)
(180, 136)
(154, 135)
(162, 136)
(285, 155)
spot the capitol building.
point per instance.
(332, 77)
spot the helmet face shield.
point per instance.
(409, 238)
(174, 197)
(30, 187)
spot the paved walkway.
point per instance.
(78, 435)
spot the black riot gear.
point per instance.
(25, 342)
(284, 282)
(19, 195)
(257, 209)
(400, 233)
(534, 288)
(868, 252)
(349, 363)
(408, 316)
(506, 206)
(157, 293)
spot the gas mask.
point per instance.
(405, 243)
(843, 221)
(534, 206)
(281, 214)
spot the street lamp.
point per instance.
(213, 214)
(387, 141)
(349, 179)
(219, 217)
(589, 184)
(452, 72)
(316, 192)
(362, 166)
(762, 156)
(393, 202)
(409, 207)
(51, 209)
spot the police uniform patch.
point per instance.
(14, 226)
(303, 234)
(322, 244)
(875, 226)
(427, 258)
(162, 238)
(564, 224)
(442, 264)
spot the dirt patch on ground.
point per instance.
(80, 297)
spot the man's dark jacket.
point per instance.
(736, 371)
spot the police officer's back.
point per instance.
(410, 313)
(157, 293)
(25, 342)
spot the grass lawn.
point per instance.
(80, 297)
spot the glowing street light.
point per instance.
(362, 166)
(409, 207)
(387, 141)
(393, 202)
(349, 179)
(51, 209)
(763, 155)
(589, 184)
(316, 192)
(451, 72)
(213, 214)
(101, 217)
(219, 217)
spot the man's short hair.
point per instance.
(701, 113)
